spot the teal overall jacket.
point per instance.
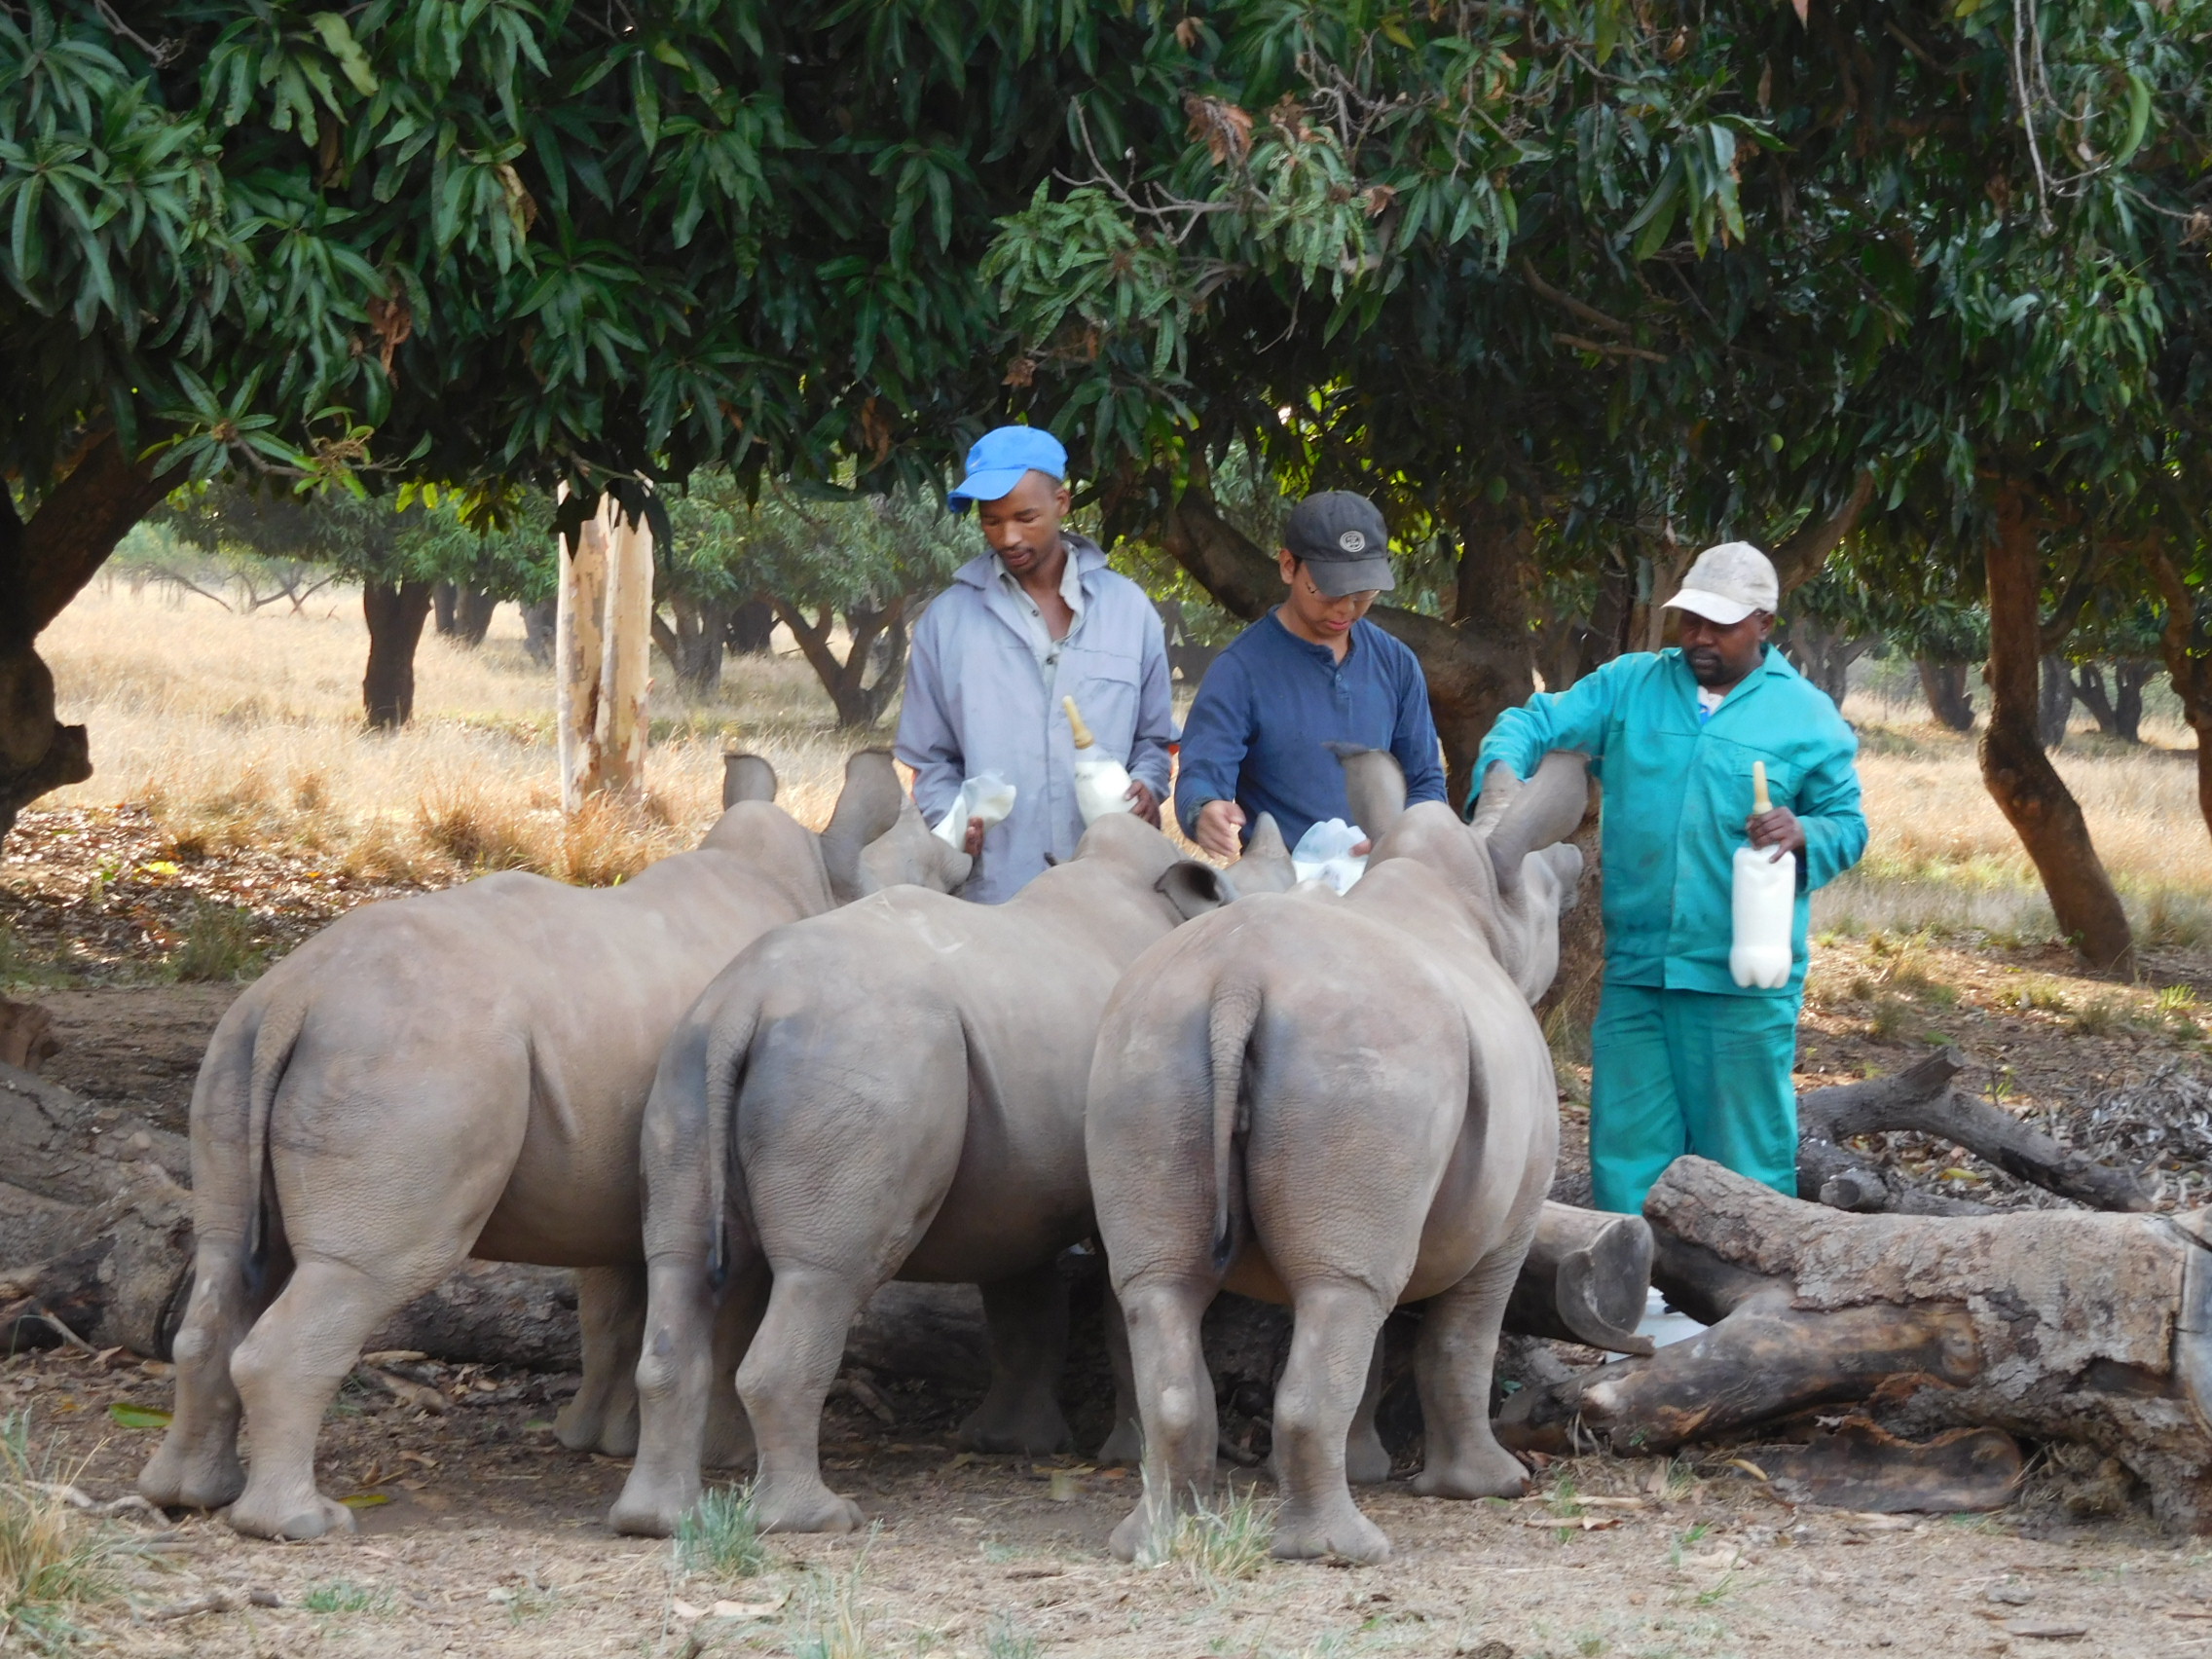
(1677, 793)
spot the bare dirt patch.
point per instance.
(490, 1541)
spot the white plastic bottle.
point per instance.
(1101, 783)
(1765, 905)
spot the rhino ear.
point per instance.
(1566, 860)
(867, 807)
(1194, 888)
(1265, 865)
(746, 777)
(1375, 784)
(1543, 812)
(1499, 786)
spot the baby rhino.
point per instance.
(1342, 1104)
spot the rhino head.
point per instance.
(1510, 863)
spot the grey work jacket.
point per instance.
(978, 701)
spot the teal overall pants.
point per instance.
(1674, 1072)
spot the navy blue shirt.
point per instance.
(1271, 700)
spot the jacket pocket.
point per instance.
(1104, 684)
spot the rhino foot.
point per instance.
(1037, 1430)
(289, 1520)
(1366, 1463)
(819, 1511)
(1337, 1530)
(1126, 1445)
(205, 1478)
(647, 1511)
(1491, 1472)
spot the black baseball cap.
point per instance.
(1342, 541)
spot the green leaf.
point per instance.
(352, 62)
(364, 1499)
(138, 1416)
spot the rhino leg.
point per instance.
(1124, 1444)
(1452, 1365)
(197, 1466)
(602, 1415)
(1174, 1403)
(1332, 1347)
(290, 1366)
(691, 1347)
(729, 1432)
(1366, 1461)
(1028, 1320)
(784, 1381)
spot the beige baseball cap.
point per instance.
(1730, 582)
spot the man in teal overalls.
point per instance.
(1684, 1058)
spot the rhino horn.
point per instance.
(1265, 865)
(1373, 783)
(746, 777)
(867, 807)
(1544, 811)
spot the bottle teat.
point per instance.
(1083, 738)
(1761, 801)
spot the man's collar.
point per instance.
(1084, 554)
(1320, 653)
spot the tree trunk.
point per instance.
(1824, 654)
(859, 701)
(1584, 1279)
(1945, 685)
(44, 564)
(2184, 643)
(694, 644)
(2130, 678)
(2019, 775)
(472, 616)
(540, 618)
(445, 609)
(752, 628)
(2055, 1325)
(2054, 702)
(395, 614)
(602, 639)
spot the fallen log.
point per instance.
(1922, 1099)
(2060, 1325)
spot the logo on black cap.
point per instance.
(1353, 541)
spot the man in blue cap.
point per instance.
(1036, 619)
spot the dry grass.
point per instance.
(246, 730)
(54, 1564)
(1942, 857)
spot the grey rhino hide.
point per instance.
(452, 1074)
(1341, 1102)
(895, 1090)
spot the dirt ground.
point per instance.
(480, 1536)
(489, 1542)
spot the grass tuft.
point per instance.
(344, 1596)
(52, 1562)
(1003, 1638)
(836, 1621)
(217, 945)
(1222, 1544)
(720, 1536)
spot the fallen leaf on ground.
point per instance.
(138, 1416)
(365, 1500)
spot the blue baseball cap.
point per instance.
(1000, 459)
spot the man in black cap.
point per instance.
(1312, 671)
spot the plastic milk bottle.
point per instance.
(1101, 785)
(1765, 905)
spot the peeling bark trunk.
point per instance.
(602, 637)
(1945, 685)
(2019, 775)
(395, 614)
(2055, 1325)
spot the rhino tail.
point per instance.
(1229, 1033)
(271, 1043)
(729, 1052)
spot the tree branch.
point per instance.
(1589, 313)
(1802, 553)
